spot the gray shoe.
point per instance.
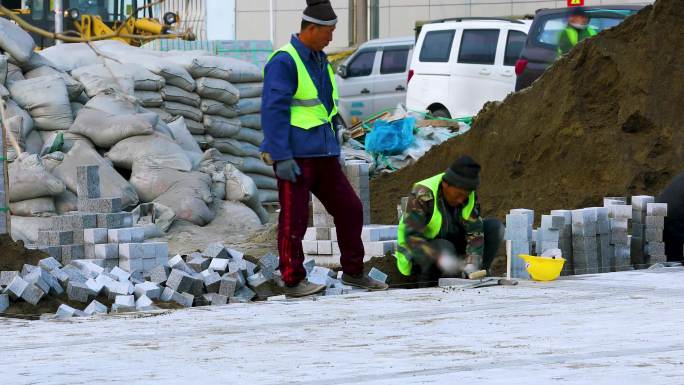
(364, 282)
(303, 288)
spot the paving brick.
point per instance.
(324, 247)
(160, 274)
(52, 251)
(55, 237)
(178, 263)
(640, 202)
(95, 236)
(197, 285)
(40, 278)
(219, 265)
(243, 294)
(655, 221)
(611, 201)
(218, 300)
(212, 282)
(320, 276)
(179, 281)
(653, 235)
(216, 250)
(655, 248)
(310, 247)
(317, 234)
(268, 264)
(131, 250)
(375, 233)
(377, 275)
(120, 274)
(144, 303)
(32, 294)
(379, 248)
(131, 264)
(94, 286)
(88, 181)
(228, 286)
(199, 263)
(527, 212)
(309, 264)
(115, 288)
(72, 252)
(7, 276)
(95, 307)
(75, 274)
(183, 299)
(27, 269)
(552, 222)
(77, 291)
(114, 220)
(515, 265)
(106, 251)
(167, 294)
(239, 276)
(149, 264)
(100, 205)
(656, 209)
(4, 302)
(88, 268)
(16, 288)
(65, 311)
(121, 236)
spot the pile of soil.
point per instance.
(606, 120)
(13, 255)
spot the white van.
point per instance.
(460, 64)
(374, 78)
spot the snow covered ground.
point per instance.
(620, 328)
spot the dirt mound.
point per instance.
(13, 255)
(606, 120)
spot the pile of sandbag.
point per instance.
(140, 115)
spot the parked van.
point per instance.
(374, 78)
(460, 64)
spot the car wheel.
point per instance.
(441, 113)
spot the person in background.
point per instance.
(577, 30)
(673, 234)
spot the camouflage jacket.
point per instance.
(455, 229)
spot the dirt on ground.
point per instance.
(606, 120)
(13, 255)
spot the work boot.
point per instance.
(364, 282)
(302, 289)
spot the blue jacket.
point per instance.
(282, 140)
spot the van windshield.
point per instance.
(601, 19)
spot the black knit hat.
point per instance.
(319, 12)
(463, 173)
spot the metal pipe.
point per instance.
(59, 18)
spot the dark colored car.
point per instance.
(540, 50)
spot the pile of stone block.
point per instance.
(653, 233)
(518, 235)
(619, 215)
(564, 235)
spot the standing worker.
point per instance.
(299, 106)
(577, 30)
(441, 232)
(673, 234)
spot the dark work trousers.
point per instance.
(673, 236)
(324, 178)
(426, 271)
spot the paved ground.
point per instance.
(621, 328)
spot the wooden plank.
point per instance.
(4, 177)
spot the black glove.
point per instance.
(288, 170)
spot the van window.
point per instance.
(514, 45)
(394, 61)
(362, 64)
(478, 46)
(549, 30)
(437, 46)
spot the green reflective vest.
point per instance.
(307, 110)
(433, 227)
(574, 36)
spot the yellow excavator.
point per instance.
(131, 20)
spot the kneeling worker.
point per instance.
(441, 232)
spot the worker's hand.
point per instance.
(449, 264)
(288, 170)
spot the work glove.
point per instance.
(450, 264)
(288, 170)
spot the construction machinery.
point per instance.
(132, 20)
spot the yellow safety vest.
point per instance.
(307, 110)
(433, 227)
(573, 36)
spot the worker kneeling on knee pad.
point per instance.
(441, 233)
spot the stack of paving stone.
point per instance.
(653, 232)
(619, 215)
(584, 242)
(518, 235)
(604, 249)
(638, 242)
(565, 236)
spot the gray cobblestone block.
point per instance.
(655, 221)
(610, 201)
(72, 252)
(603, 227)
(52, 251)
(27, 269)
(4, 302)
(552, 222)
(65, 311)
(114, 220)
(546, 245)
(268, 265)
(239, 276)
(183, 299)
(77, 291)
(377, 275)
(55, 237)
(120, 274)
(216, 250)
(178, 263)
(7, 276)
(197, 286)
(549, 235)
(131, 264)
(82, 221)
(95, 236)
(319, 275)
(33, 294)
(95, 307)
(94, 286)
(179, 281)
(584, 216)
(115, 288)
(602, 213)
(619, 238)
(219, 265)
(309, 265)
(121, 236)
(160, 274)
(640, 202)
(310, 247)
(89, 251)
(378, 248)
(228, 286)
(16, 288)
(106, 251)
(137, 234)
(166, 295)
(149, 264)
(75, 274)
(99, 205)
(39, 277)
(566, 214)
(606, 253)
(88, 181)
(219, 300)
(144, 303)
(375, 233)
(317, 234)
(623, 260)
(243, 294)
(131, 250)
(527, 212)
(656, 209)
(60, 276)
(655, 248)
(89, 268)
(586, 229)
(653, 235)
(235, 254)
(256, 280)
(212, 282)
(199, 263)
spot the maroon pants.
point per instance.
(324, 178)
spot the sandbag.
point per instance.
(145, 80)
(217, 89)
(3, 69)
(163, 128)
(16, 41)
(149, 98)
(98, 78)
(162, 150)
(66, 202)
(264, 182)
(74, 88)
(156, 215)
(204, 141)
(163, 115)
(12, 110)
(115, 103)
(106, 130)
(13, 126)
(235, 147)
(241, 188)
(226, 68)
(183, 136)
(268, 196)
(29, 179)
(250, 136)
(76, 107)
(26, 228)
(4, 92)
(249, 165)
(33, 143)
(179, 95)
(49, 108)
(37, 207)
(186, 193)
(70, 56)
(249, 106)
(250, 90)
(179, 109)
(220, 127)
(36, 61)
(251, 121)
(14, 74)
(214, 107)
(112, 184)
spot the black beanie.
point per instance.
(463, 173)
(319, 12)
